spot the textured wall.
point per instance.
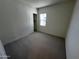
(58, 18)
(16, 20)
(72, 41)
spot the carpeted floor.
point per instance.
(37, 46)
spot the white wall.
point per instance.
(72, 41)
(2, 51)
(58, 18)
(16, 20)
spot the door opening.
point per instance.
(35, 22)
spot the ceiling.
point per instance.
(41, 3)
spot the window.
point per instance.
(43, 19)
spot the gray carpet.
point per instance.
(37, 46)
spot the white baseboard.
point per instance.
(17, 38)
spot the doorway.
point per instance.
(35, 22)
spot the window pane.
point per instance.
(43, 23)
(43, 19)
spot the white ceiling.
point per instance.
(41, 3)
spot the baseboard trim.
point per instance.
(52, 35)
(17, 38)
